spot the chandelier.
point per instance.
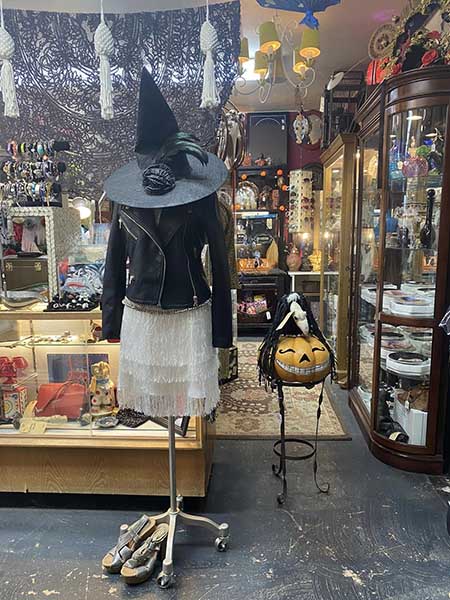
(278, 45)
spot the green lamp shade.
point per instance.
(261, 64)
(268, 37)
(244, 54)
(310, 47)
(298, 63)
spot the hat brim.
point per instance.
(124, 186)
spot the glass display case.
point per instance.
(339, 162)
(365, 257)
(60, 426)
(401, 274)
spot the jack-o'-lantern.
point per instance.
(301, 359)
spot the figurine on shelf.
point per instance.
(8, 372)
(294, 259)
(428, 233)
(102, 389)
(261, 161)
(415, 165)
(248, 159)
(21, 364)
(395, 162)
(436, 156)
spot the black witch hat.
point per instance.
(170, 168)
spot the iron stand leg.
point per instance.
(280, 471)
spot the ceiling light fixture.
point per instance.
(270, 60)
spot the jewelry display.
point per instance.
(69, 301)
(32, 177)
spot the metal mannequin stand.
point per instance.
(279, 447)
(175, 513)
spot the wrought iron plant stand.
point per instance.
(279, 446)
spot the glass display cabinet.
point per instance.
(59, 425)
(365, 258)
(402, 276)
(339, 162)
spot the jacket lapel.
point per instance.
(171, 220)
(163, 228)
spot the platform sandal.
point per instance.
(140, 566)
(131, 537)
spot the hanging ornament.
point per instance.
(309, 7)
(209, 42)
(104, 49)
(7, 84)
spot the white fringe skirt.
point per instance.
(168, 366)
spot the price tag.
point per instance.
(269, 223)
(33, 427)
(268, 315)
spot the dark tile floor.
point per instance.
(379, 535)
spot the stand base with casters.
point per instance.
(175, 514)
(279, 447)
(171, 517)
(166, 577)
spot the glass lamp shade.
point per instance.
(298, 64)
(244, 55)
(310, 47)
(268, 38)
(261, 64)
(83, 206)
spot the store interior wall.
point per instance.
(56, 72)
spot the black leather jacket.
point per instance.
(163, 250)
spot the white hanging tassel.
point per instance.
(209, 42)
(104, 48)
(7, 84)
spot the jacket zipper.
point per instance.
(127, 229)
(194, 297)
(161, 288)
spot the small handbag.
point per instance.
(68, 399)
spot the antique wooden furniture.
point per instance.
(339, 162)
(399, 368)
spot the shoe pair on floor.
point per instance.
(137, 550)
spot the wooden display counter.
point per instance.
(88, 460)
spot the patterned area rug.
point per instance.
(248, 411)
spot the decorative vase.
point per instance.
(294, 259)
(427, 233)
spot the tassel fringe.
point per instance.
(106, 96)
(209, 42)
(7, 83)
(8, 88)
(104, 48)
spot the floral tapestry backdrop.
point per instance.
(58, 86)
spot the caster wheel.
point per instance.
(221, 544)
(165, 581)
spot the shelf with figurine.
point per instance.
(63, 385)
(260, 210)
